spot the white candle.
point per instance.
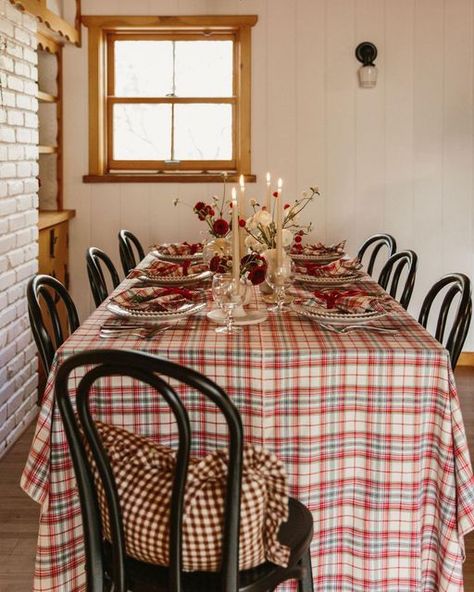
(279, 225)
(235, 238)
(268, 197)
(242, 214)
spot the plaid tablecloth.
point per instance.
(368, 425)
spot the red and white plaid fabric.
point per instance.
(368, 426)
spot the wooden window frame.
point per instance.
(103, 31)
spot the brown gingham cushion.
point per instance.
(144, 472)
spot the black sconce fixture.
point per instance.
(366, 53)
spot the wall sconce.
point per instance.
(366, 53)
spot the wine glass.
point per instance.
(279, 279)
(226, 292)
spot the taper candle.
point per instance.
(268, 196)
(235, 238)
(279, 225)
(242, 214)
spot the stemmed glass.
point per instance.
(279, 279)
(226, 292)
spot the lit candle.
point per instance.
(268, 197)
(235, 238)
(279, 225)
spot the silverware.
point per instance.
(145, 332)
(349, 328)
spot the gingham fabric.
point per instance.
(144, 473)
(368, 426)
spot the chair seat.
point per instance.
(296, 533)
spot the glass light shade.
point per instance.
(367, 76)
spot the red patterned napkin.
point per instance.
(156, 299)
(344, 301)
(339, 268)
(319, 249)
(180, 249)
(159, 268)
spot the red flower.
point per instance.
(201, 210)
(275, 194)
(257, 274)
(286, 206)
(298, 238)
(242, 223)
(214, 263)
(209, 211)
(220, 227)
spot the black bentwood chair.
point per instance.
(47, 330)
(377, 242)
(455, 284)
(108, 564)
(131, 250)
(95, 258)
(389, 277)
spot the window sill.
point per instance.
(166, 178)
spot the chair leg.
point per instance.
(306, 583)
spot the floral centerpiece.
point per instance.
(261, 227)
(253, 267)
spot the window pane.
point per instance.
(143, 68)
(142, 132)
(204, 68)
(203, 132)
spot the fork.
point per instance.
(349, 328)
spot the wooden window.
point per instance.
(169, 98)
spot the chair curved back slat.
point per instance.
(50, 291)
(391, 273)
(128, 245)
(457, 284)
(378, 242)
(147, 369)
(95, 259)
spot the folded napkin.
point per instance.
(180, 249)
(339, 268)
(159, 268)
(153, 299)
(319, 249)
(343, 301)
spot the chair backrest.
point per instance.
(95, 258)
(48, 331)
(147, 369)
(389, 277)
(128, 244)
(377, 242)
(455, 284)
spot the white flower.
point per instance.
(253, 202)
(287, 237)
(263, 217)
(250, 223)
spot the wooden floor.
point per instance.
(19, 514)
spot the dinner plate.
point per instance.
(338, 318)
(155, 316)
(328, 281)
(195, 258)
(322, 259)
(166, 280)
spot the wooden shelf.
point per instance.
(47, 149)
(46, 97)
(48, 218)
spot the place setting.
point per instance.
(342, 310)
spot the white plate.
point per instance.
(328, 281)
(153, 316)
(252, 317)
(177, 258)
(320, 259)
(182, 280)
(339, 318)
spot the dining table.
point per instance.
(367, 423)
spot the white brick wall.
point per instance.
(18, 219)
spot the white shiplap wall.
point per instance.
(396, 158)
